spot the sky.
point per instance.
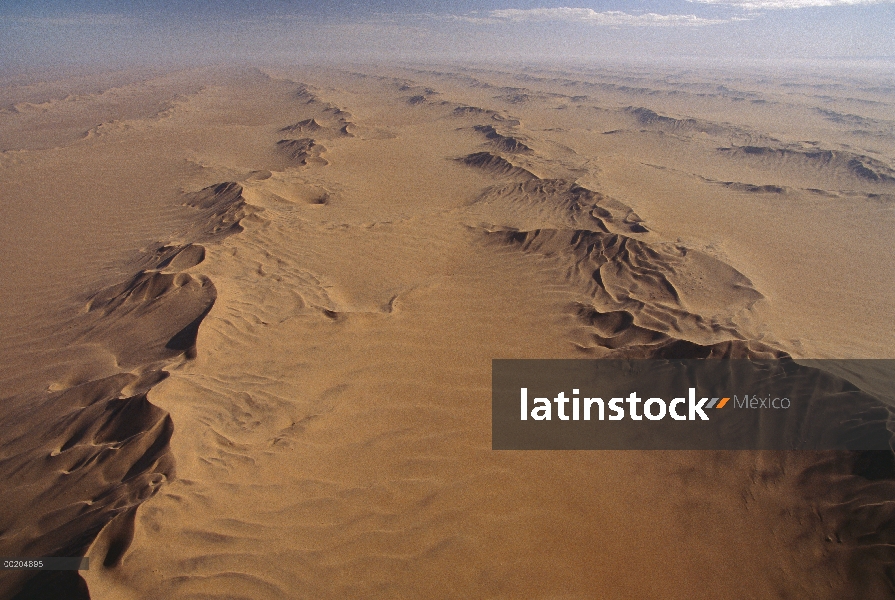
(37, 34)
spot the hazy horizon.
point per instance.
(119, 34)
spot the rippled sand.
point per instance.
(250, 317)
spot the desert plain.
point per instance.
(249, 315)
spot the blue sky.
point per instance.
(114, 32)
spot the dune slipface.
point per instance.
(85, 454)
(257, 362)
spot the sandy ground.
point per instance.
(249, 317)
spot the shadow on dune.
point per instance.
(81, 459)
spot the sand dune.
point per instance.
(311, 126)
(652, 284)
(558, 203)
(836, 164)
(301, 151)
(306, 332)
(650, 119)
(496, 165)
(92, 451)
(307, 126)
(501, 142)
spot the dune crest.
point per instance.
(300, 277)
(95, 449)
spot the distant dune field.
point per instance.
(249, 317)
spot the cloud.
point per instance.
(784, 4)
(78, 20)
(590, 16)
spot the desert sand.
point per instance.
(249, 316)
